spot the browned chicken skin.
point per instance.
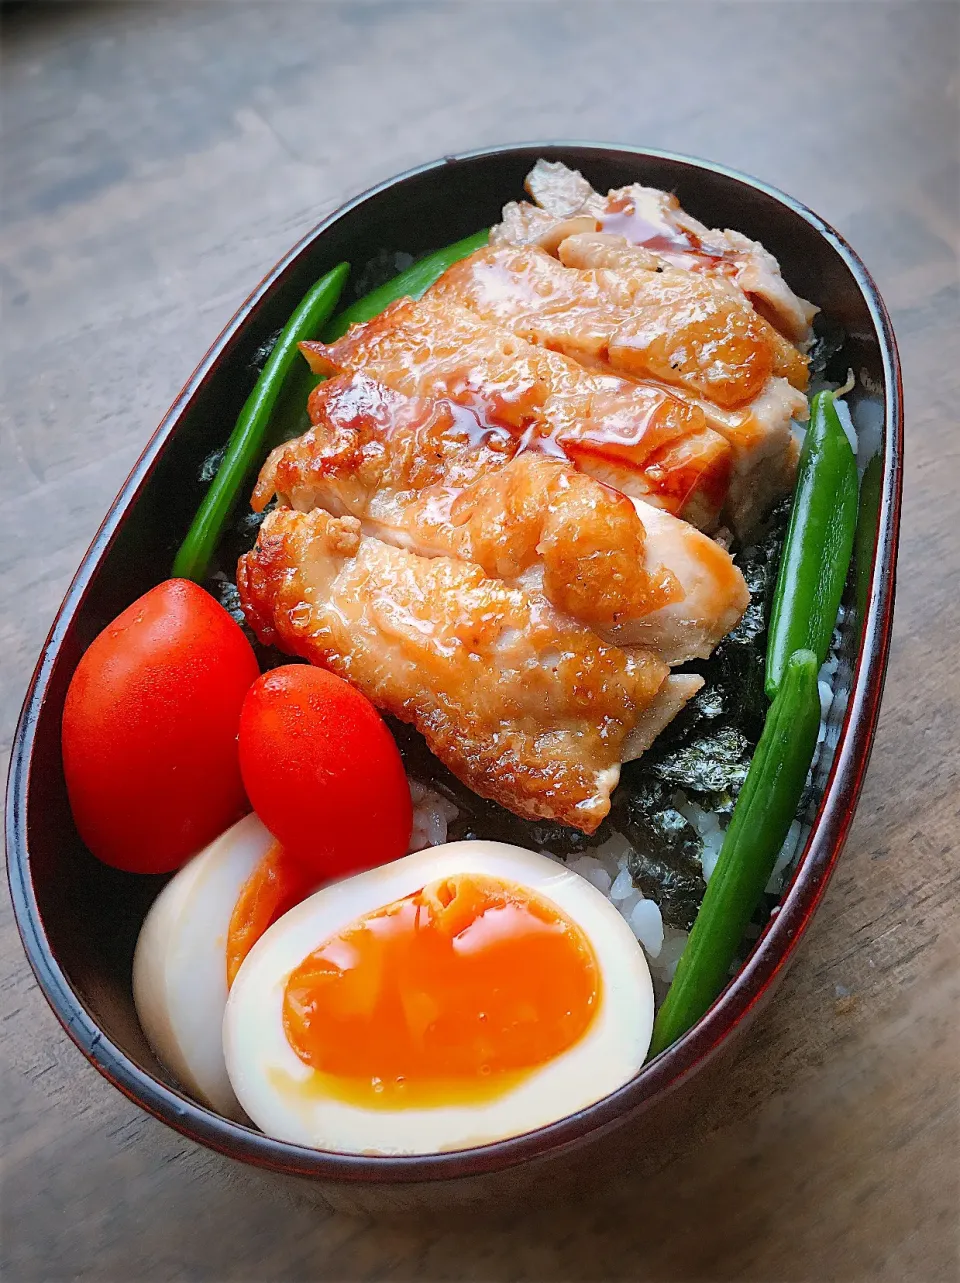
(623, 273)
(655, 221)
(694, 332)
(482, 529)
(422, 475)
(640, 438)
(524, 705)
(604, 304)
(411, 472)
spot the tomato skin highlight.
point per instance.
(323, 772)
(150, 726)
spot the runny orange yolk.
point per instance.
(452, 994)
(274, 886)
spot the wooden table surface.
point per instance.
(158, 158)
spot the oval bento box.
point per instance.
(79, 919)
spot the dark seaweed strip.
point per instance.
(706, 751)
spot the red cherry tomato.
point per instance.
(323, 772)
(150, 730)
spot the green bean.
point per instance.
(409, 284)
(765, 809)
(818, 546)
(246, 440)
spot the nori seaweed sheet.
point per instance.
(705, 752)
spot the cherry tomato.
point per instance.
(150, 730)
(323, 771)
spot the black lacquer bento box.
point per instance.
(79, 919)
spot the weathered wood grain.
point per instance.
(157, 159)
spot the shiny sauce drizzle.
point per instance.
(677, 246)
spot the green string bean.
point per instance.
(411, 283)
(246, 440)
(765, 809)
(818, 546)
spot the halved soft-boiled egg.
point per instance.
(461, 995)
(196, 934)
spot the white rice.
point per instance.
(708, 827)
(432, 812)
(787, 851)
(825, 680)
(846, 422)
(607, 868)
(843, 414)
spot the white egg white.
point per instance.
(180, 963)
(279, 1092)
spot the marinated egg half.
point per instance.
(461, 995)
(191, 944)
